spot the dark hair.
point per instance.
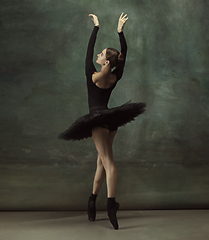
(114, 57)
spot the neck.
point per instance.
(105, 69)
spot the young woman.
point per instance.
(102, 122)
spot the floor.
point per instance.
(74, 225)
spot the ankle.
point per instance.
(93, 197)
(111, 202)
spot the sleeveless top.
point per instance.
(98, 97)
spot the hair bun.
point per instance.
(114, 57)
(120, 57)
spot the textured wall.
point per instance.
(162, 157)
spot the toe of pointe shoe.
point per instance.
(91, 216)
(91, 213)
(112, 216)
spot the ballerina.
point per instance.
(101, 123)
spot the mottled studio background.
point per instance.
(162, 157)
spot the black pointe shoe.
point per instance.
(91, 210)
(112, 215)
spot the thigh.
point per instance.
(112, 135)
(102, 141)
(112, 131)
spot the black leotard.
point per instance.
(99, 114)
(98, 97)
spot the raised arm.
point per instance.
(121, 22)
(118, 71)
(89, 65)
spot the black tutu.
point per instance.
(115, 117)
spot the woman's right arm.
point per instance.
(89, 66)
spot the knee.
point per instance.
(99, 160)
(101, 157)
(106, 162)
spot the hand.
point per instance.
(94, 19)
(121, 22)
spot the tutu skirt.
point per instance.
(114, 117)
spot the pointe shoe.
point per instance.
(91, 210)
(112, 215)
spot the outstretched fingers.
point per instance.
(121, 15)
(123, 18)
(121, 22)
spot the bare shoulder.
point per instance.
(96, 76)
(102, 81)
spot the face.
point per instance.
(101, 58)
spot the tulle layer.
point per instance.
(114, 117)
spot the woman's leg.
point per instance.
(103, 144)
(99, 176)
(101, 138)
(100, 171)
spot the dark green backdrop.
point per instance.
(162, 157)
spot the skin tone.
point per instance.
(102, 137)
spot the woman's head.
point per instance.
(110, 56)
